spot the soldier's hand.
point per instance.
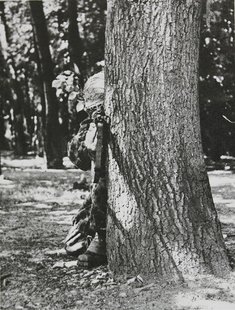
(91, 138)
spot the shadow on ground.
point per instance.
(36, 208)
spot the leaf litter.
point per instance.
(36, 273)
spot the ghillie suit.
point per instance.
(88, 149)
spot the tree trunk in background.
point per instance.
(75, 42)
(161, 218)
(41, 117)
(208, 13)
(29, 113)
(4, 89)
(17, 93)
(234, 59)
(53, 145)
(20, 130)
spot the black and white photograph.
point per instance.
(117, 155)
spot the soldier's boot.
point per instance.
(95, 254)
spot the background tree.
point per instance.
(21, 63)
(4, 95)
(161, 217)
(53, 135)
(16, 95)
(74, 40)
(88, 18)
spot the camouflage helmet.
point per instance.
(94, 91)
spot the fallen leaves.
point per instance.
(56, 252)
(45, 277)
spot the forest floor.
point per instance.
(36, 207)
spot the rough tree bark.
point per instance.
(53, 138)
(161, 217)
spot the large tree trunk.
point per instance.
(161, 217)
(53, 138)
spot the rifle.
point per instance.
(102, 123)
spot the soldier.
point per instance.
(88, 149)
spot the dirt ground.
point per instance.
(36, 207)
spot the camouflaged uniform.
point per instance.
(92, 215)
